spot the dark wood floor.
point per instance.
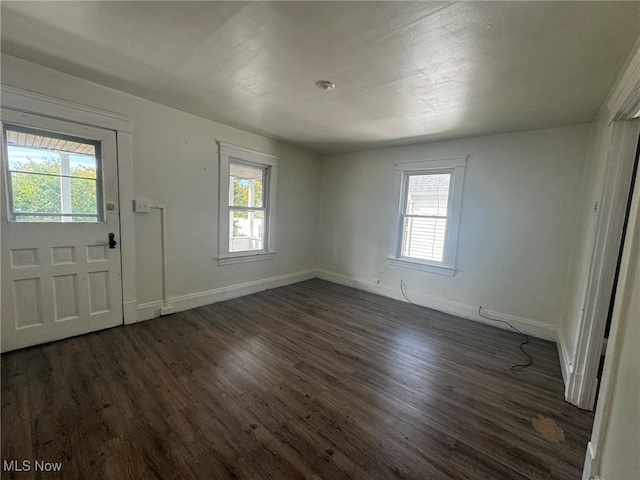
(313, 380)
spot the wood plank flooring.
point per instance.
(308, 381)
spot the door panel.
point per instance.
(59, 278)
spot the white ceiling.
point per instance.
(405, 72)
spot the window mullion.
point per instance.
(22, 172)
(413, 215)
(247, 209)
(65, 185)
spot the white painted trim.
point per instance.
(530, 327)
(147, 311)
(625, 96)
(424, 267)
(232, 259)
(456, 166)
(246, 154)
(582, 387)
(624, 295)
(127, 225)
(129, 311)
(42, 105)
(565, 362)
(589, 462)
(30, 102)
(228, 153)
(436, 162)
(632, 107)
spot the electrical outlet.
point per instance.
(140, 205)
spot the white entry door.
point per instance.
(61, 269)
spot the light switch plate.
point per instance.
(140, 205)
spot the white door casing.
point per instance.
(61, 279)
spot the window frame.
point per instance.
(403, 170)
(229, 154)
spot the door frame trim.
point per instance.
(582, 384)
(620, 114)
(34, 103)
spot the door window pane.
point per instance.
(52, 178)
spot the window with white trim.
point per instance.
(428, 196)
(247, 204)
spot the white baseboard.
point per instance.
(530, 327)
(147, 311)
(151, 310)
(565, 363)
(589, 462)
(129, 312)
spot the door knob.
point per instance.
(112, 241)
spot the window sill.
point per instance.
(251, 257)
(425, 267)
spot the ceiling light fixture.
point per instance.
(325, 85)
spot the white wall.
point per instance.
(519, 212)
(584, 239)
(176, 164)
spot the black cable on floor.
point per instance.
(526, 340)
(403, 289)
